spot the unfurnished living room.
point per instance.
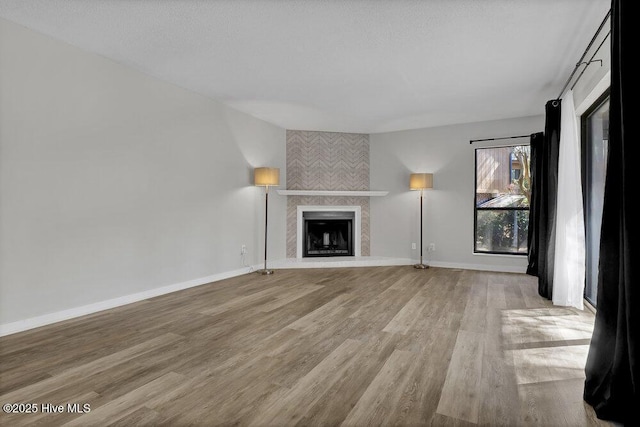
(318, 213)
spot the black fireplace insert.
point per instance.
(328, 234)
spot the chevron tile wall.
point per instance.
(327, 161)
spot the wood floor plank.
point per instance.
(496, 296)
(324, 314)
(244, 301)
(374, 407)
(289, 297)
(289, 407)
(314, 347)
(35, 390)
(408, 316)
(142, 416)
(130, 402)
(461, 390)
(499, 392)
(352, 383)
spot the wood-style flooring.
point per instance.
(313, 347)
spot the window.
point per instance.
(503, 190)
(595, 136)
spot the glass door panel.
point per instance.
(595, 138)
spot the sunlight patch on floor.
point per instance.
(536, 365)
(547, 344)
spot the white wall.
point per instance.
(448, 218)
(115, 183)
(595, 78)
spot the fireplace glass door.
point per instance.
(328, 234)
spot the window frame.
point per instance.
(475, 204)
(586, 166)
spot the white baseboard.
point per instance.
(482, 267)
(59, 316)
(373, 261)
(589, 306)
(337, 262)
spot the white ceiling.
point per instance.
(350, 66)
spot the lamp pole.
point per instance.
(266, 221)
(421, 265)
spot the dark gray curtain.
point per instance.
(612, 372)
(533, 244)
(544, 192)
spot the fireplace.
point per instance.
(328, 233)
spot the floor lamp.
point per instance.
(266, 177)
(421, 181)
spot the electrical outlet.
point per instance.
(243, 250)
(432, 247)
(413, 246)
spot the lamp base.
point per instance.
(264, 272)
(420, 266)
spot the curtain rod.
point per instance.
(497, 139)
(581, 61)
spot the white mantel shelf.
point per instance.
(331, 193)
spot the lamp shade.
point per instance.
(420, 181)
(266, 176)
